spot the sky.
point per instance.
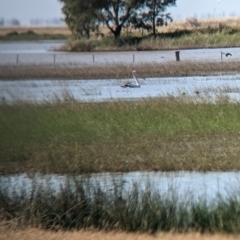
(25, 10)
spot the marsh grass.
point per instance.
(152, 134)
(191, 40)
(192, 33)
(84, 206)
(181, 39)
(119, 71)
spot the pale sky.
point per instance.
(25, 10)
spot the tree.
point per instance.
(115, 13)
(15, 22)
(80, 16)
(153, 14)
(83, 16)
(1, 21)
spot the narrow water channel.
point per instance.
(209, 186)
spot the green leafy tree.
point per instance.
(153, 14)
(83, 16)
(115, 13)
(80, 17)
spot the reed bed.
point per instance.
(118, 71)
(81, 206)
(162, 134)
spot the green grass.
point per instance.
(153, 134)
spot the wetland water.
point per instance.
(106, 90)
(42, 52)
(196, 186)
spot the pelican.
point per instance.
(133, 85)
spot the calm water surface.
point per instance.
(42, 52)
(106, 90)
(197, 185)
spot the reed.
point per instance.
(152, 134)
(80, 205)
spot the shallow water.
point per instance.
(209, 186)
(42, 52)
(107, 90)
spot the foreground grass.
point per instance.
(153, 134)
(83, 205)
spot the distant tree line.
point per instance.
(12, 22)
(84, 16)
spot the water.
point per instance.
(185, 185)
(30, 47)
(39, 91)
(194, 184)
(42, 52)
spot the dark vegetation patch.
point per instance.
(30, 35)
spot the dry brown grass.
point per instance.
(38, 234)
(233, 22)
(117, 71)
(176, 24)
(38, 30)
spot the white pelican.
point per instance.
(133, 85)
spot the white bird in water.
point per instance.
(133, 85)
